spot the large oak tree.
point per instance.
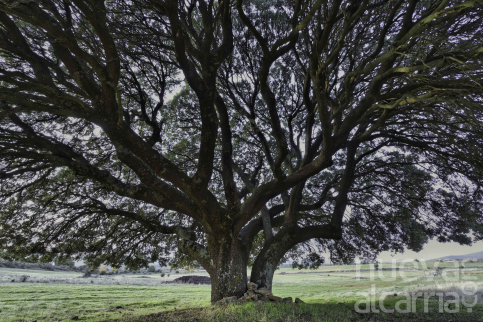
(238, 132)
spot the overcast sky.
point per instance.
(434, 249)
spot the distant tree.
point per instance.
(87, 272)
(298, 127)
(65, 261)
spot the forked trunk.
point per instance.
(266, 262)
(229, 269)
(263, 271)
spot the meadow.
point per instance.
(329, 294)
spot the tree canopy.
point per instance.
(238, 132)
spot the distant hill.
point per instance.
(36, 266)
(472, 255)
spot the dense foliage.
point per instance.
(238, 132)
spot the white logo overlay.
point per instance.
(460, 295)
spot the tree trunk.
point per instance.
(264, 266)
(263, 270)
(228, 270)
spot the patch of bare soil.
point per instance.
(194, 279)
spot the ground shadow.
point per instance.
(342, 311)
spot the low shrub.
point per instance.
(162, 274)
(103, 270)
(7, 264)
(23, 278)
(87, 272)
(48, 267)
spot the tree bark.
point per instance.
(228, 271)
(267, 261)
(262, 275)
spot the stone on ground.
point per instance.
(263, 291)
(257, 295)
(275, 298)
(227, 299)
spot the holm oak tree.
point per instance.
(238, 132)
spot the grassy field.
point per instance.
(330, 294)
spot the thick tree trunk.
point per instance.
(264, 266)
(228, 268)
(262, 274)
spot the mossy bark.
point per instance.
(229, 268)
(267, 261)
(262, 275)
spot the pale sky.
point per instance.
(433, 249)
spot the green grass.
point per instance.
(332, 312)
(328, 296)
(21, 302)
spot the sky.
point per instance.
(433, 249)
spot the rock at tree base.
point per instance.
(230, 299)
(274, 298)
(195, 279)
(263, 291)
(227, 300)
(252, 286)
(263, 298)
(259, 296)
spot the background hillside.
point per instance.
(471, 255)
